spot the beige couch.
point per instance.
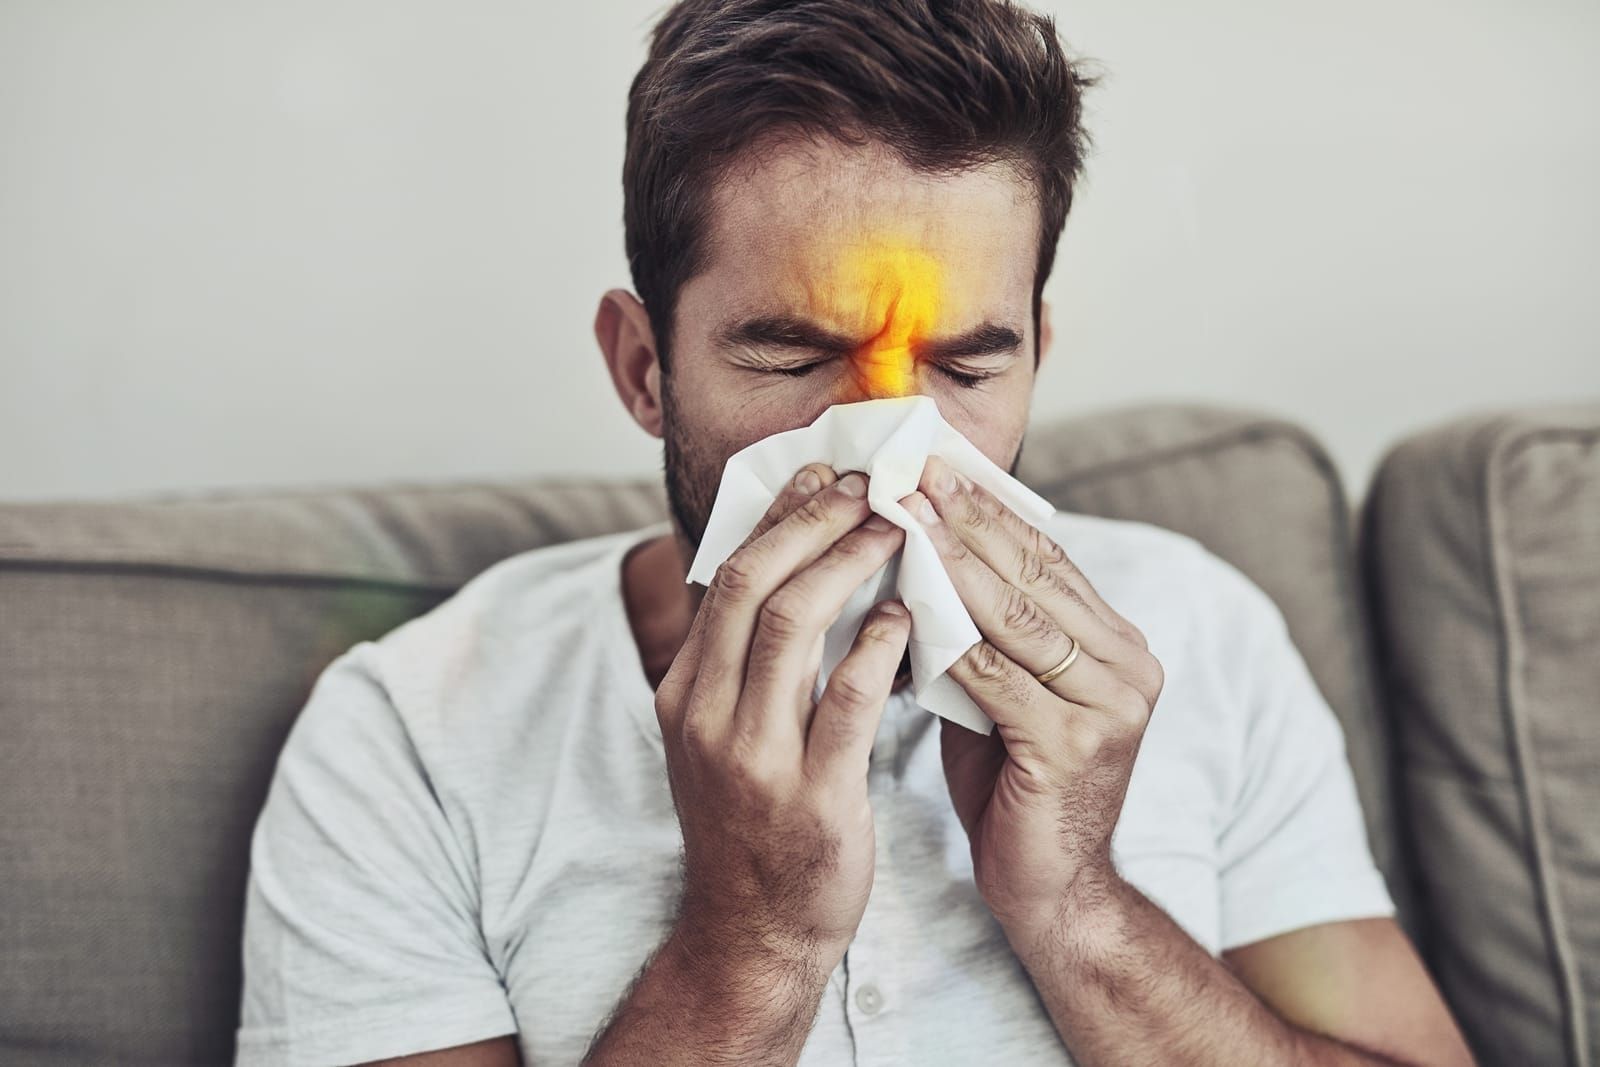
(153, 654)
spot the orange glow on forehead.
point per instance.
(899, 288)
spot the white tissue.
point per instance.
(888, 440)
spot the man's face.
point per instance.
(838, 275)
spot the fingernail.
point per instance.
(854, 484)
(878, 522)
(891, 607)
(945, 481)
(919, 506)
(807, 481)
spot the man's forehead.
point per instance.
(810, 179)
(791, 230)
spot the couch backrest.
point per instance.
(1482, 546)
(154, 653)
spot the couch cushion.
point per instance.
(1482, 545)
(152, 659)
(154, 653)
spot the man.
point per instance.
(582, 813)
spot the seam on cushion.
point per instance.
(422, 585)
(28, 555)
(1441, 769)
(233, 495)
(1552, 910)
(1530, 438)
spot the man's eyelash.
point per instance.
(966, 381)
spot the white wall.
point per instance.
(310, 243)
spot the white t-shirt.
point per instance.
(470, 831)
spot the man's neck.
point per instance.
(661, 604)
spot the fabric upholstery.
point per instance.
(152, 659)
(1482, 546)
(153, 654)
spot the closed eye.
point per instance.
(962, 378)
(796, 372)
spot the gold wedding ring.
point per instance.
(1047, 676)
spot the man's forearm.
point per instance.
(698, 1003)
(1125, 984)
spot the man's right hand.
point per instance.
(770, 786)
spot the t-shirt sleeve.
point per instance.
(1293, 849)
(361, 931)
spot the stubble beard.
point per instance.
(692, 479)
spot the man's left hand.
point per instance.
(1040, 796)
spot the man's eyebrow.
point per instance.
(788, 331)
(783, 331)
(989, 338)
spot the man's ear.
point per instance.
(622, 327)
(1046, 333)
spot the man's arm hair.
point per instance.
(1125, 984)
(698, 1002)
(703, 1001)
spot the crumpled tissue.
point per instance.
(888, 440)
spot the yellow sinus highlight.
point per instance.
(901, 287)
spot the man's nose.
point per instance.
(881, 372)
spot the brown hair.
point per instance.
(946, 84)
